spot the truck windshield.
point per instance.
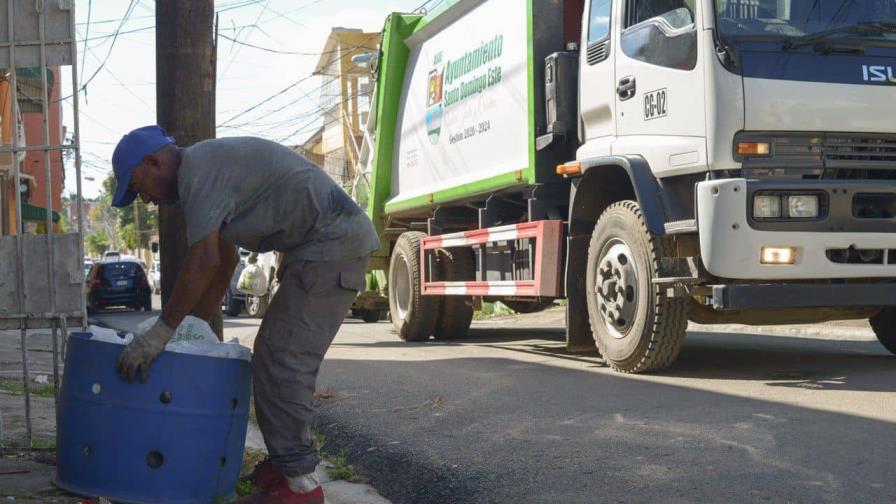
(801, 19)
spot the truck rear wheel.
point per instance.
(636, 327)
(884, 325)
(413, 315)
(456, 312)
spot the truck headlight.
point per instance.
(767, 206)
(802, 206)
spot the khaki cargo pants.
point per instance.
(296, 332)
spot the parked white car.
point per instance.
(155, 277)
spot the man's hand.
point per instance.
(138, 355)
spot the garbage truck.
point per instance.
(652, 162)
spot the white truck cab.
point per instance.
(767, 126)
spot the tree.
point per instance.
(104, 217)
(96, 243)
(124, 218)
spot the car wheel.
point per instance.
(884, 328)
(232, 306)
(370, 316)
(257, 306)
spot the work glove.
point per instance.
(138, 355)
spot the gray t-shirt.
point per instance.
(263, 196)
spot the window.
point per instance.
(796, 18)
(598, 48)
(599, 20)
(661, 32)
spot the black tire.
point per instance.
(527, 306)
(92, 308)
(636, 327)
(232, 306)
(884, 325)
(456, 312)
(413, 315)
(147, 303)
(370, 316)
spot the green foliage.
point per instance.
(96, 243)
(118, 223)
(14, 387)
(497, 309)
(339, 468)
(245, 488)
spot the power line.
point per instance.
(124, 20)
(266, 49)
(116, 33)
(257, 19)
(253, 107)
(362, 44)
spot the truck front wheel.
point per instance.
(637, 328)
(413, 315)
(884, 325)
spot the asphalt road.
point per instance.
(505, 415)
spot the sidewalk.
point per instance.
(27, 477)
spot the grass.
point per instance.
(489, 310)
(22, 443)
(13, 386)
(339, 467)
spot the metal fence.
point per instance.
(41, 275)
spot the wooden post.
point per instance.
(185, 100)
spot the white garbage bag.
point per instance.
(110, 335)
(190, 329)
(194, 336)
(252, 281)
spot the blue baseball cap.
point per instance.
(129, 153)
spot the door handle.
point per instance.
(626, 88)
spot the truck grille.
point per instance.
(827, 155)
(839, 151)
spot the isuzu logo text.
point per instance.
(878, 73)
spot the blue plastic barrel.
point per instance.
(178, 438)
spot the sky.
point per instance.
(120, 71)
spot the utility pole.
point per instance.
(185, 98)
(137, 228)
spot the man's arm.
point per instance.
(196, 274)
(202, 262)
(210, 301)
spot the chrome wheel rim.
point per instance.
(252, 304)
(617, 288)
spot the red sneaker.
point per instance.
(265, 475)
(282, 494)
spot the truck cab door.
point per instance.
(659, 89)
(596, 80)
